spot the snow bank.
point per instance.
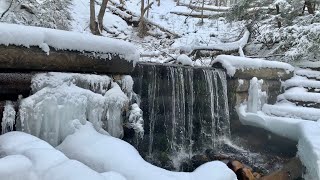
(12, 34)
(30, 158)
(292, 111)
(105, 153)
(16, 167)
(298, 81)
(301, 94)
(308, 73)
(233, 63)
(309, 149)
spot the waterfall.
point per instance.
(185, 110)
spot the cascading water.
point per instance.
(185, 111)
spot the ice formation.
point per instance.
(96, 83)
(8, 118)
(115, 101)
(44, 38)
(257, 97)
(136, 119)
(59, 98)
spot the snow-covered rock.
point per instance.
(234, 63)
(184, 60)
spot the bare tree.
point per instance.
(143, 29)
(96, 25)
(310, 6)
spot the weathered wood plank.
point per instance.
(34, 59)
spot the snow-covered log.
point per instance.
(42, 49)
(34, 59)
(133, 19)
(206, 7)
(199, 15)
(230, 46)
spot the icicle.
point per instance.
(256, 97)
(8, 118)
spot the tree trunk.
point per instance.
(93, 22)
(309, 6)
(142, 25)
(101, 15)
(202, 12)
(278, 12)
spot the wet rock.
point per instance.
(256, 175)
(244, 174)
(198, 160)
(291, 170)
(279, 175)
(214, 155)
(235, 165)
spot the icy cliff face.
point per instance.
(60, 98)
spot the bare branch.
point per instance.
(6, 10)
(146, 8)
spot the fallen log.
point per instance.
(133, 19)
(198, 14)
(129, 18)
(19, 58)
(229, 47)
(206, 7)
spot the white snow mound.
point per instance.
(233, 63)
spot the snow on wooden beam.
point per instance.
(42, 49)
(18, 58)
